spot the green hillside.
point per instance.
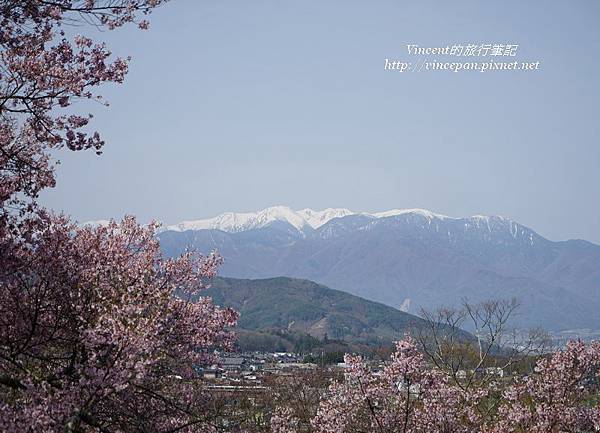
(293, 313)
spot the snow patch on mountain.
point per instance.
(423, 212)
(317, 218)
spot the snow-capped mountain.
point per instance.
(232, 222)
(407, 258)
(238, 222)
(310, 220)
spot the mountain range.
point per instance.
(408, 259)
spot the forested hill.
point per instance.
(294, 313)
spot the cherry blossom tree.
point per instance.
(93, 338)
(97, 331)
(562, 396)
(405, 396)
(410, 395)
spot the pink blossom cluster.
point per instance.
(411, 396)
(406, 396)
(562, 396)
(93, 334)
(98, 332)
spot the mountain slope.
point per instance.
(304, 306)
(417, 259)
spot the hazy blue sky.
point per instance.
(239, 105)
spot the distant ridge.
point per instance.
(233, 222)
(236, 222)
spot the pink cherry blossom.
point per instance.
(411, 396)
(98, 332)
(96, 326)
